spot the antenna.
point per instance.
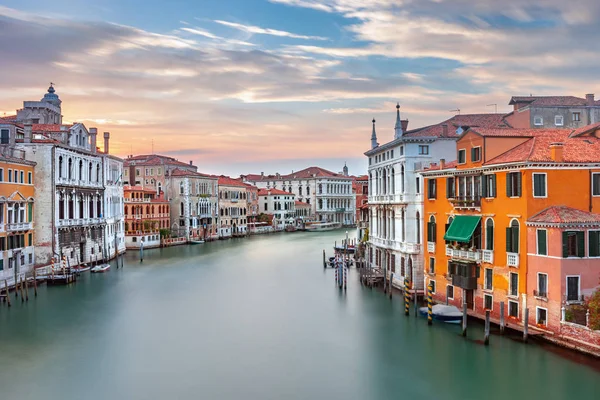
(495, 107)
(456, 111)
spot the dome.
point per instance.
(51, 96)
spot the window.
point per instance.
(431, 189)
(450, 292)
(542, 242)
(558, 120)
(488, 189)
(431, 265)
(514, 284)
(573, 244)
(462, 156)
(418, 188)
(512, 237)
(594, 244)
(4, 136)
(1, 174)
(450, 188)
(538, 121)
(392, 153)
(488, 302)
(542, 285)
(423, 149)
(432, 283)
(513, 309)
(29, 178)
(573, 288)
(539, 185)
(489, 234)
(10, 175)
(576, 116)
(513, 184)
(596, 184)
(489, 274)
(475, 154)
(431, 229)
(541, 316)
(22, 177)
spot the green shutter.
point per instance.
(433, 231)
(518, 175)
(594, 249)
(29, 212)
(429, 231)
(541, 242)
(446, 226)
(448, 188)
(508, 186)
(515, 239)
(509, 240)
(493, 194)
(489, 237)
(580, 244)
(484, 186)
(565, 246)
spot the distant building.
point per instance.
(233, 208)
(280, 204)
(146, 214)
(302, 210)
(360, 188)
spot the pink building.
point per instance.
(563, 256)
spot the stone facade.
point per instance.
(114, 234)
(233, 208)
(281, 205)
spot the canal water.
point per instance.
(257, 318)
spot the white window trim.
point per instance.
(450, 298)
(594, 195)
(429, 266)
(537, 244)
(541, 120)
(485, 280)
(578, 288)
(545, 185)
(434, 285)
(480, 153)
(485, 233)
(578, 116)
(490, 295)
(537, 282)
(536, 315)
(562, 119)
(518, 308)
(458, 156)
(510, 284)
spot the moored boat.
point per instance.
(443, 313)
(196, 241)
(323, 226)
(100, 268)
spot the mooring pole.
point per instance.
(486, 339)
(26, 289)
(142, 252)
(464, 310)
(502, 318)
(406, 297)
(430, 304)
(35, 281)
(526, 325)
(391, 279)
(324, 263)
(6, 289)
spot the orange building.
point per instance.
(146, 213)
(481, 215)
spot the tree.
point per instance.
(594, 308)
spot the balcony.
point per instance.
(512, 259)
(468, 283)
(464, 202)
(431, 247)
(21, 226)
(411, 248)
(386, 199)
(543, 295)
(468, 255)
(487, 256)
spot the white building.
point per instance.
(395, 191)
(114, 234)
(329, 194)
(281, 205)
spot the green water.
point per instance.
(257, 318)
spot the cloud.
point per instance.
(267, 31)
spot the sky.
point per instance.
(250, 86)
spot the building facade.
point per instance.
(233, 208)
(483, 211)
(114, 234)
(147, 214)
(281, 205)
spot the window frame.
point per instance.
(485, 279)
(473, 149)
(540, 294)
(464, 157)
(510, 284)
(541, 119)
(432, 189)
(423, 149)
(447, 295)
(576, 116)
(589, 242)
(517, 305)
(545, 175)
(567, 288)
(432, 283)
(597, 187)
(431, 270)
(490, 296)
(537, 242)
(537, 315)
(562, 120)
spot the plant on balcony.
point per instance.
(594, 307)
(165, 233)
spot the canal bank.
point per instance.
(256, 318)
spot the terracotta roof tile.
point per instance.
(586, 129)
(548, 101)
(37, 128)
(274, 192)
(228, 181)
(184, 172)
(302, 204)
(564, 215)
(462, 120)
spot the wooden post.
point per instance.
(464, 319)
(324, 262)
(526, 325)
(502, 318)
(391, 279)
(141, 252)
(416, 302)
(430, 304)
(35, 282)
(26, 289)
(486, 339)
(6, 289)
(21, 288)
(406, 297)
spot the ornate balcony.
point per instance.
(487, 256)
(386, 199)
(466, 202)
(20, 226)
(468, 255)
(431, 247)
(512, 259)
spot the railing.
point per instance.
(538, 293)
(431, 247)
(470, 255)
(413, 248)
(79, 221)
(20, 226)
(487, 256)
(466, 202)
(469, 283)
(386, 198)
(512, 259)
(574, 298)
(132, 200)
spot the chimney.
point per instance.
(556, 152)
(442, 163)
(589, 99)
(262, 174)
(444, 130)
(106, 141)
(93, 136)
(404, 123)
(27, 128)
(191, 162)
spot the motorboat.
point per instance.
(196, 241)
(443, 313)
(323, 226)
(100, 268)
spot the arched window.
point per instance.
(70, 169)
(512, 237)
(431, 229)
(147, 209)
(489, 234)
(98, 173)
(181, 208)
(402, 266)
(80, 170)
(320, 188)
(60, 167)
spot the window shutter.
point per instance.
(594, 250)
(515, 239)
(580, 244)
(493, 194)
(509, 248)
(448, 188)
(433, 231)
(489, 238)
(565, 245)
(518, 176)
(446, 226)
(429, 231)
(472, 153)
(434, 187)
(508, 185)
(484, 186)
(542, 246)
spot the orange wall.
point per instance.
(520, 119)
(494, 146)
(27, 190)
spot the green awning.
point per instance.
(462, 227)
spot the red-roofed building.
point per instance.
(360, 188)
(146, 214)
(504, 183)
(233, 207)
(280, 204)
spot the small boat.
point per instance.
(342, 249)
(196, 241)
(323, 226)
(100, 268)
(444, 313)
(290, 228)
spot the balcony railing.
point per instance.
(21, 226)
(538, 293)
(487, 256)
(469, 255)
(386, 198)
(512, 259)
(574, 298)
(469, 283)
(466, 202)
(431, 247)
(412, 248)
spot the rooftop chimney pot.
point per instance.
(589, 98)
(444, 130)
(106, 142)
(556, 151)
